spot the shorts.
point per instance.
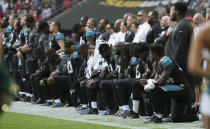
(205, 104)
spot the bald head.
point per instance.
(165, 21)
(198, 19)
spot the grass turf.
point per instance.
(24, 121)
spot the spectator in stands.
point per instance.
(161, 10)
(22, 12)
(198, 19)
(83, 21)
(190, 11)
(130, 20)
(125, 16)
(5, 6)
(66, 4)
(168, 7)
(117, 24)
(1, 13)
(135, 27)
(122, 34)
(91, 24)
(155, 30)
(11, 4)
(18, 5)
(46, 12)
(112, 34)
(165, 22)
(207, 14)
(144, 27)
(102, 30)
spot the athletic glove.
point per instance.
(150, 85)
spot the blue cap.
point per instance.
(89, 33)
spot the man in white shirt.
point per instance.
(122, 33)
(112, 41)
(144, 27)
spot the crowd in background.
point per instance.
(40, 9)
(136, 66)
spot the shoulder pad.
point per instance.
(59, 36)
(25, 31)
(165, 62)
(9, 29)
(75, 55)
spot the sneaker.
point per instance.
(155, 119)
(150, 117)
(57, 105)
(120, 111)
(90, 111)
(131, 115)
(167, 119)
(107, 112)
(80, 109)
(124, 114)
(22, 97)
(47, 104)
(84, 110)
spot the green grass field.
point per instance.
(24, 121)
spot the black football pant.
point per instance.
(181, 101)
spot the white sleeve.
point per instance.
(142, 33)
(137, 35)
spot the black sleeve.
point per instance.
(45, 71)
(82, 69)
(182, 48)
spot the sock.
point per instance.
(136, 106)
(94, 104)
(57, 101)
(84, 105)
(28, 95)
(159, 115)
(126, 108)
(49, 100)
(22, 93)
